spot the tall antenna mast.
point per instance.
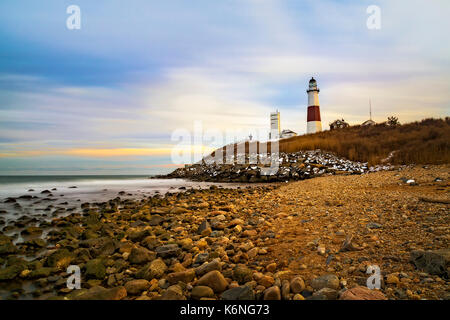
(370, 108)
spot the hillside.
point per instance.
(424, 142)
(352, 150)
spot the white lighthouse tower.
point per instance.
(314, 123)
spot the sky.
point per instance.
(119, 94)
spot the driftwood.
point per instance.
(444, 201)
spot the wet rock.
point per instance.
(40, 273)
(135, 287)
(6, 245)
(214, 280)
(103, 246)
(31, 231)
(362, 293)
(10, 272)
(60, 259)
(95, 269)
(35, 243)
(26, 197)
(326, 281)
(238, 293)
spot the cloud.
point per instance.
(120, 92)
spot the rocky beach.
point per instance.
(310, 239)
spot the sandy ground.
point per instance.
(318, 214)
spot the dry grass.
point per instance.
(424, 142)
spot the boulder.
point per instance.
(207, 267)
(297, 285)
(140, 255)
(60, 259)
(95, 269)
(40, 273)
(154, 269)
(100, 293)
(183, 276)
(31, 231)
(203, 226)
(326, 281)
(135, 287)
(326, 294)
(168, 250)
(272, 293)
(433, 262)
(239, 293)
(242, 274)
(214, 280)
(199, 292)
(10, 272)
(362, 293)
(6, 245)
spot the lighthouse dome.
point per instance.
(313, 84)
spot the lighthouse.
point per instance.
(314, 124)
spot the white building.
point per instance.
(274, 126)
(286, 133)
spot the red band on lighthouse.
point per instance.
(313, 113)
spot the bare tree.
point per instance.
(393, 121)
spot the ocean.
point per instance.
(53, 192)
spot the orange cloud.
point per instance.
(106, 152)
